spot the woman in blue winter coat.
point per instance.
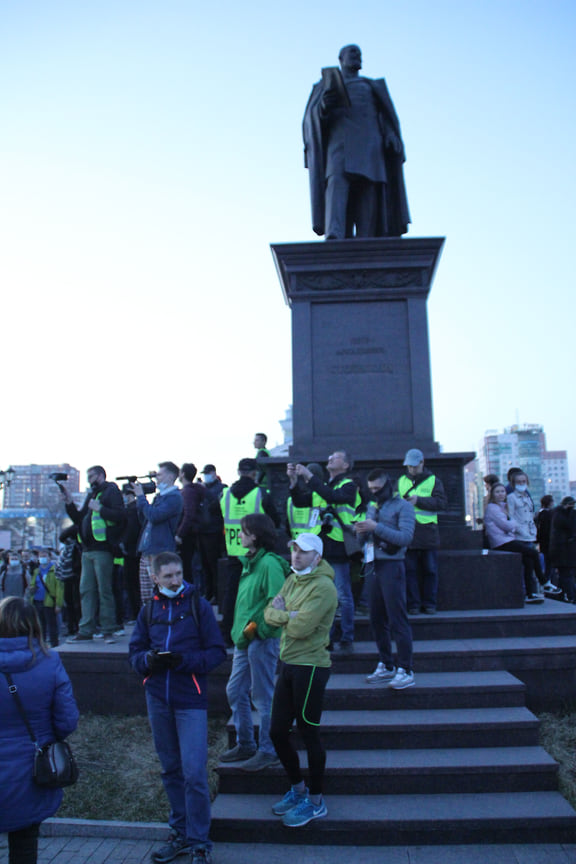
(46, 694)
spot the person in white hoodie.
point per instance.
(521, 512)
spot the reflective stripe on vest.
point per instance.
(424, 489)
(346, 512)
(233, 511)
(298, 519)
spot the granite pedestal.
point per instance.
(360, 354)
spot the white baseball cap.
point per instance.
(308, 543)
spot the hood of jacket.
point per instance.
(15, 654)
(242, 487)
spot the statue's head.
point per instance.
(350, 57)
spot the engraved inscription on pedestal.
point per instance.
(366, 355)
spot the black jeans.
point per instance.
(530, 562)
(210, 551)
(23, 845)
(567, 581)
(72, 603)
(132, 584)
(233, 572)
(48, 621)
(388, 618)
(299, 695)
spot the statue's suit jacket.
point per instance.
(394, 215)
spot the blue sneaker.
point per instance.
(304, 812)
(290, 800)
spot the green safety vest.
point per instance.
(233, 511)
(298, 519)
(346, 512)
(98, 525)
(424, 490)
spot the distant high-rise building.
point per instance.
(555, 470)
(525, 447)
(32, 487)
(33, 511)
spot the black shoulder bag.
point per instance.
(54, 764)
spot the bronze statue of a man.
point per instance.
(354, 152)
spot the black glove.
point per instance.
(173, 660)
(157, 662)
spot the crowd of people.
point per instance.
(545, 539)
(155, 563)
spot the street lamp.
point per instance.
(6, 477)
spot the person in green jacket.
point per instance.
(46, 592)
(256, 643)
(304, 609)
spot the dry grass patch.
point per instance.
(558, 737)
(120, 772)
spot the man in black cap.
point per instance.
(245, 496)
(424, 490)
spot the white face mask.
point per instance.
(163, 486)
(167, 592)
(521, 487)
(303, 572)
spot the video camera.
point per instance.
(148, 488)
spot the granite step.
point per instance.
(493, 689)
(458, 655)
(404, 728)
(407, 772)
(386, 820)
(551, 618)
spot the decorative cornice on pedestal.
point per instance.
(351, 269)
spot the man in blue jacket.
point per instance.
(175, 643)
(160, 521)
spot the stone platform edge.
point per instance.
(56, 827)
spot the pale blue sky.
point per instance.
(150, 153)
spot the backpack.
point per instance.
(194, 611)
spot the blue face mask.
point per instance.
(163, 486)
(43, 560)
(167, 592)
(209, 478)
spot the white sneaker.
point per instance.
(402, 679)
(534, 598)
(381, 673)
(550, 588)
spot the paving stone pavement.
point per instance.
(100, 850)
